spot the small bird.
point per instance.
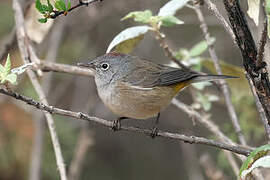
(139, 89)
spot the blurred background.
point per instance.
(94, 152)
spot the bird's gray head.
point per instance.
(109, 67)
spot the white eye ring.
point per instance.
(105, 66)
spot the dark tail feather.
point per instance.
(202, 78)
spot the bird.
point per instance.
(135, 88)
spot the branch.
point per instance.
(257, 71)
(212, 7)
(25, 54)
(210, 125)
(78, 115)
(167, 50)
(260, 108)
(81, 3)
(224, 85)
(64, 68)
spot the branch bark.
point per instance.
(255, 69)
(79, 115)
(26, 54)
(224, 85)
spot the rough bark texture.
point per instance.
(256, 68)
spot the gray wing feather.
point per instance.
(147, 74)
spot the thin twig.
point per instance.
(260, 108)
(246, 44)
(167, 50)
(79, 115)
(37, 147)
(213, 8)
(81, 3)
(211, 170)
(64, 68)
(21, 36)
(232, 162)
(224, 85)
(263, 38)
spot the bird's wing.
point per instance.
(147, 74)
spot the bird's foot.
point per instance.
(116, 125)
(154, 132)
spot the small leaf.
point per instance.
(69, 5)
(39, 7)
(196, 105)
(199, 48)
(254, 155)
(50, 7)
(2, 69)
(139, 16)
(128, 45)
(19, 70)
(204, 101)
(170, 8)
(212, 97)
(12, 78)
(253, 10)
(170, 21)
(261, 162)
(42, 20)
(60, 5)
(201, 85)
(7, 65)
(127, 34)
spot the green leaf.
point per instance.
(170, 21)
(42, 20)
(139, 16)
(2, 69)
(50, 7)
(60, 5)
(7, 65)
(254, 156)
(136, 33)
(199, 48)
(201, 85)
(39, 7)
(128, 45)
(170, 8)
(262, 162)
(69, 5)
(12, 78)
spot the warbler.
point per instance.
(135, 88)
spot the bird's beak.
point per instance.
(88, 65)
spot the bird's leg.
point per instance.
(117, 123)
(154, 131)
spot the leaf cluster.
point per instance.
(48, 10)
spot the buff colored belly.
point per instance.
(138, 103)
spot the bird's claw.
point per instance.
(154, 132)
(116, 125)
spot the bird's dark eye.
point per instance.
(105, 66)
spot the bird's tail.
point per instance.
(202, 78)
